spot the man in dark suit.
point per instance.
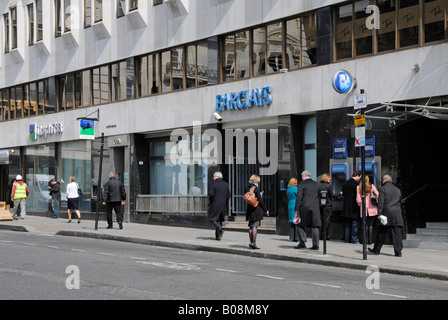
(114, 198)
(350, 208)
(389, 205)
(219, 195)
(307, 203)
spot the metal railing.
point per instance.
(172, 204)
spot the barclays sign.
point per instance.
(244, 99)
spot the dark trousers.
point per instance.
(117, 207)
(397, 238)
(218, 227)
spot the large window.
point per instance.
(435, 20)
(100, 85)
(39, 170)
(168, 178)
(74, 159)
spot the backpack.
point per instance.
(251, 198)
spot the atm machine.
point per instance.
(373, 163)
(341, 169)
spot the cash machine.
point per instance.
(341, 169)
(373, 163)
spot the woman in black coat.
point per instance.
(254, 214)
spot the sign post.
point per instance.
(360, 129)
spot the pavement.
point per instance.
(415, 262)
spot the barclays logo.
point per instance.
(244, 99)
(343, 82)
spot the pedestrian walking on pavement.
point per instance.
(73, 199)
(291, 192)
(55, 192)
(19, 194)
(114, 198)
(389, 205)
(219, 195)
(307, 204)
(350, 209)
(254, 214)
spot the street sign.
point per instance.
(360, 120)
(360, 101)
(360, 137)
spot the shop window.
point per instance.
(301, 41)
(309, 40)
(344, 31)
(168, 178)
(310, 141)
(408, 22)
(39, 168)
(74, 159)
(43, 96)
(434, 19)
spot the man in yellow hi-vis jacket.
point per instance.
(19, 194)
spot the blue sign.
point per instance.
(340, 150)
(343, 82)
(244, 99)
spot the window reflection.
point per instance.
(434, 15)
(408, 19)
(259, 48)
(363, 36)
(344, 23)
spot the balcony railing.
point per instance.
(172, 204)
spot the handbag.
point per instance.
(251, 198)
(79, 191)
(373, 198)
(297, 218)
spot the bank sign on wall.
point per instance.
(36, 131)
(244, 99)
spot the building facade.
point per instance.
(182, 88)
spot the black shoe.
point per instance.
(398, 254)
(220, 236)
(314, 248)
(109, 227)
(254, 247)
(121, 226)
(300, 246)
(372, 252)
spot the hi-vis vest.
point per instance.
(20, 192)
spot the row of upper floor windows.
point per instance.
(92, 12)
(291, 43)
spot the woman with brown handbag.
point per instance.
(254, 211)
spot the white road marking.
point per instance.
(105, 254)
(269, 277)
(53, 247)
(326, 285)
(389, 295)
(78, 250)
(225, 270)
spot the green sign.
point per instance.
(87, 129)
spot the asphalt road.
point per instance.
(39, 267)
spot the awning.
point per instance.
(388, 116)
